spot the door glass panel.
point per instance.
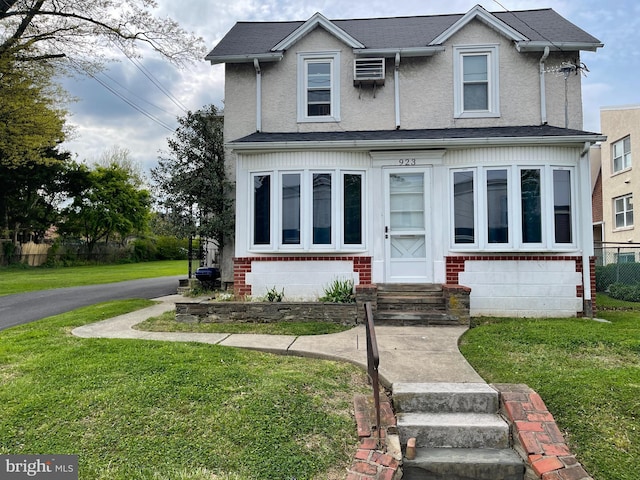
(406, 201)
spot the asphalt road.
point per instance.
(27, 307)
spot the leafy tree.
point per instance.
(109, 205)
(191, 179)
(82, 32)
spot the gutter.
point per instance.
(248, 58)
(396, 86)
(391, 52)
(543, 92)
(540, 45)
(412, 143)
(256, 65)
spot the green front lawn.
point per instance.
(19, 280)
(164, 411)
(588, 374)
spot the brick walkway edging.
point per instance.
(378, 456)
(536, 436)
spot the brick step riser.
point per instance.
(464, 464)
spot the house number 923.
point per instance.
(407, 162)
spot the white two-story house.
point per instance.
(434, 149)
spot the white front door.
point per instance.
(407, 221)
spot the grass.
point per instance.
(157, 411)
(588, 374)
(19, 280)
(167, 323)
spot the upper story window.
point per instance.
(319, 87)
(476, 86)
(621, 153)
(505, 207)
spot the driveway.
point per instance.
(27, 307)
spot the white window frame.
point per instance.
(625, 199)
(493, 80)
(625, 158)
(514, 198)
(303, 60)
(306, 212)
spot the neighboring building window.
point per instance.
(621, 154)
(476, 89)
(623, 211)
(281, 201)
(318, 87)
(628, 257)
(509, 210)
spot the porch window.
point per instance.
(497, 206)
(464, 207)
(509, 209)
(531, 205)
(562, 206)
(261, 209)
(291, 209)
(307, 210)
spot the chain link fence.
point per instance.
(617, 263)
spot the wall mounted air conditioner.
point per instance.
(368, 71)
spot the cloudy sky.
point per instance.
(159, 92)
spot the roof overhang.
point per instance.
(404, 52)
(405, 144)
(247, 58)
(539, 46)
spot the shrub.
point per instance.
(340, 291)
(625, 273)
(629, 293)
(273, 295)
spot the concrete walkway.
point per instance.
(407, 354)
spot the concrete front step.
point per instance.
(445, 397)
(409, 287)
(464, 464)
(454, 430)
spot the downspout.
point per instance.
(256, 65)
(587, 232)
(396, 82)
(543, 93)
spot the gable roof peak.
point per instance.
(479, 13)
(317, 20)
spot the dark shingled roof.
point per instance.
(545, 25)
(535, 131)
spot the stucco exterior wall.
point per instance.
(617, 123)
(425, 83)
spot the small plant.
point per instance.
(274, 295)
(340, 291)
(225, 297)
